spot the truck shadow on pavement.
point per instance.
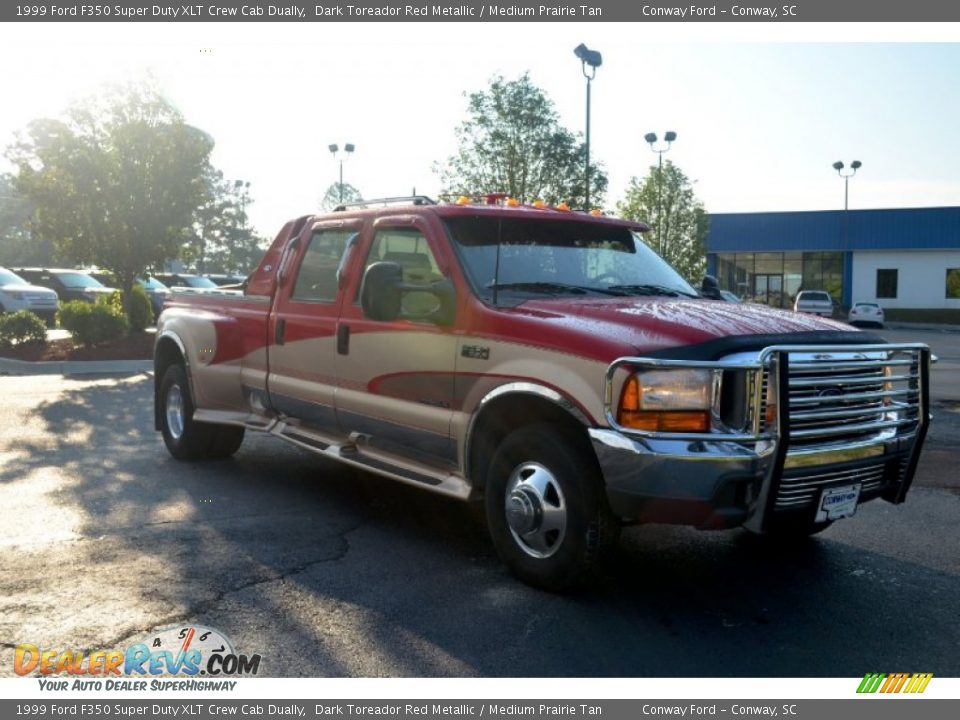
(331, 572)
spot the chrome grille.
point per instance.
(803, 490)
(843, 397)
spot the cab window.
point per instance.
(317, 277)
(410, 250)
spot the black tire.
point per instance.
(546, 509)
(227, 441)
(184, 438)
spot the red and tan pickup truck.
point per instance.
(548, 363)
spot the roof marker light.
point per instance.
(513, 202)
(597, 212)
(539, 204)
(563, 206)
(463, 200)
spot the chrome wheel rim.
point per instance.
(174, 412)
(536, 510)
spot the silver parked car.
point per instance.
(816, 302)
(18, 294)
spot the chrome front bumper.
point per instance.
(711, 481)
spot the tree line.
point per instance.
(512, 141)
(123, 182)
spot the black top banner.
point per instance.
(496, 11)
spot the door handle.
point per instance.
(279, 330)
(343, 339)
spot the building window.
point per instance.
(953, 282)
(886, 283)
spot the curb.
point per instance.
(74, 367)
(930, 327)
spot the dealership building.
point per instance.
(904, 259)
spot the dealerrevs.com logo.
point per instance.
(894, 683)
(178, 651)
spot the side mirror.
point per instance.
(380, 291)
(710, 288)
(385, 297)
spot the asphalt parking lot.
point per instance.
(327, 571)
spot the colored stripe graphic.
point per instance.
(894, 682)
(920, 682)
(870, 683)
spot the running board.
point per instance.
(442, 483)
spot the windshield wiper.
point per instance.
(540, 286)
(650, 289)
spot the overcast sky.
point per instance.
(759, 124)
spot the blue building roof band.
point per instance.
(840, 230)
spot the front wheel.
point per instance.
(184, 438)
(546, 510)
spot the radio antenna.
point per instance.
(496, 262)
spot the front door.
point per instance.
(396, 378)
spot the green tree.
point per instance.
(222, 239)
(17, 246)
(512, 142)
(677, 218)
(115, 182)
(331, 198)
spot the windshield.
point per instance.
(8, 278)
(151, 283)
(539, 256)
(78, 280)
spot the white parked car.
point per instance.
(866, 313)
(816, 302)
(17, 294)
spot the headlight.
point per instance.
(668, 400)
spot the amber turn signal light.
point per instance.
(631, 416)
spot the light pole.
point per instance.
(593, 60)
(668, 138)
(847, 258)
(854, 166)
(335, 151)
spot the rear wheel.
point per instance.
(546, 510)
(184, 438)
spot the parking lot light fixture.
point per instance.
(588, 59)
(668, 138)
(334, 149)
(839, 167)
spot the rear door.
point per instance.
(302, 358)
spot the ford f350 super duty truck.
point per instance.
(548, 363)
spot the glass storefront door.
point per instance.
(768, 289)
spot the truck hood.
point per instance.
(643, 324)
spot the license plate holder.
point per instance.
(838, 502)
